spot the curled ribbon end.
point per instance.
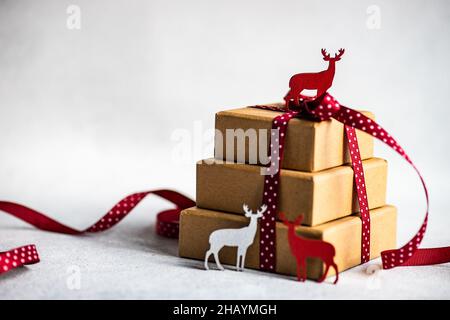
(18, 257)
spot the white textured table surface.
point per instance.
(132, 262)
(89, 115)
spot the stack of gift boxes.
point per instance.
(316, 180)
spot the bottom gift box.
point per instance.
(344, 234)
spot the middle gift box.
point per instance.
(320, 196)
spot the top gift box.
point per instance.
(242, 136)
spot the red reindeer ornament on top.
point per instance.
(301, 248)
(320, 81)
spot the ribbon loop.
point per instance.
(319, 108)
(18, 257)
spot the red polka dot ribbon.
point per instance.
(358, 173)
(267, 253)
(324, 108)
(166, 225)
(18, 257)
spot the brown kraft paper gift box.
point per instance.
(344, 234)
(320, 196)
(309, 146)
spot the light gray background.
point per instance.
(86, 117)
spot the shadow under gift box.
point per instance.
(320, 196)
(309, 146)
(344, 234)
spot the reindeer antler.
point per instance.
(262, 209)
(246, 209)
(341, 52)
(325, 54)
(298, 220)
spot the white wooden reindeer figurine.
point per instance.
(241, 238)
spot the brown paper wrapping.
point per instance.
(309, 146)
(345, 234)
(320, 196)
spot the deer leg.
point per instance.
(208, 253)
(299, 270)
(243, 261)
(238, 260)
(324, 275)
(304, 270)
(296, 96)
(337, 272)
(216, 258)
(287, 98)
(320, 91)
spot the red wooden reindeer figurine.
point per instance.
(320, 81)
(301, 248)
